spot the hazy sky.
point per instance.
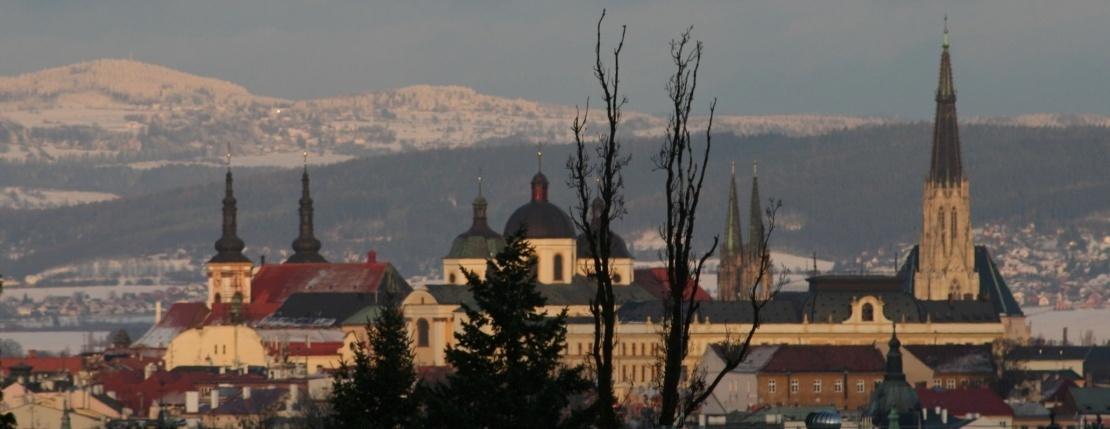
(762, 57)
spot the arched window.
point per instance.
(954, 224)
(868, 313)
(557, 267)
(940, 227)
(616, 277)
(421, 333)
(451, 278)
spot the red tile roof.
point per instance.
(791, 358)
(71, 364)
(655, 282)
(961, 402)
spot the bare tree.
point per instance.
(684, 166)
(605, 165)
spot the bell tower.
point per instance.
(947, 254)
(229, 271)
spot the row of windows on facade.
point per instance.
(838, 385)
(619, 348)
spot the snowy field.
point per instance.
(102, 292)
(15, 197)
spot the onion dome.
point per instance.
(540, 218)
(894, 394)
(480, 241)
(617, 248)
(306, 248)
(229, 248)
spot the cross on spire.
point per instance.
(539, 156)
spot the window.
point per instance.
(451, 278)
(223, 349)
(868, 313)
(950, 384)
(616, 278)
(817, 386)
(953, 226)
(422, 333)
(579, 348)
(940, 226)
(838, 386)
(936, 382)
(794, 386)
(772, 387)
(557, 267)
(861, 387)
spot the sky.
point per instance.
(851, 57)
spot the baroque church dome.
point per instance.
(617, 246)
(480, 241)
(540, 218)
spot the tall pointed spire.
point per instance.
(306, 248)
(229, 248)
(946, 166)
(734, 240)
(755, 220)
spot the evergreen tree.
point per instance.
(506, 359)
(376, 390)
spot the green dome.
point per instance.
(480, 241)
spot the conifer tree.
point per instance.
(506, 359)
(376, 390)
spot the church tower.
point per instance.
(306, 248)
(947, 255)
(740, 262)
(229, 271)
(732, 249)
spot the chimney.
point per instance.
(192, 402)
(215, 399)
(371, 257)
(246, 392)
(1065, 340)
(157, 312)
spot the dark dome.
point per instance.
(542, 219)
(617, 248)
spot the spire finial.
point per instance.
(479, 182)
(227, 157)
(305, 155)
(946, 30)
(539, 156)
(733, 168)
(755, 168)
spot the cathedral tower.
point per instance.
(229, 271)
(947, 255)
(732, 248)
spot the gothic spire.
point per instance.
(755, 220)
(946, 166)
(306, 248)
(229, 248)
(734, 241)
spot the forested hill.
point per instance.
(841, 192)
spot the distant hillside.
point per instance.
(843, 192)
(114, 83)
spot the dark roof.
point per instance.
(1050, 352)
(945, 167)
(855, 283)
(539, 217)
(261, 400)
(961, 402)
(836, 307)
(959, 311)
(968, 359)
(541, 220)
(825, 358)
(319, 308)
(992, 286)
(716, 311)
(1091, 400)
(578, 292)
